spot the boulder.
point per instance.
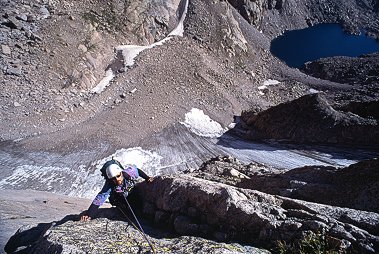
(355, 186)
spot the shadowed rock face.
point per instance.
(365, 109)
(311, 119)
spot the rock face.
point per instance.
(110, 234)
(311, 119)
(354, 186)
(199, 207)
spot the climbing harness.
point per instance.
(140, 229)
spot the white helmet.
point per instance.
(113, 170)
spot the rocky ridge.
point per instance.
(195, 206)
(310, 119)
(353, 186)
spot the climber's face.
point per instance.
(118, 179)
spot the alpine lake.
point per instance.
(297, 47)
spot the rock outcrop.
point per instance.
(343, 69)
(310, 119)
(354, 186)
(200, 207)
(189, 213)
(362, 73)
(116, 236)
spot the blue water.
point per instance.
(325, 40)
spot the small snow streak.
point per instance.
(270, 82)
(109, 75)
(130, 52)
(202, 125)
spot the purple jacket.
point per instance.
(129, 173)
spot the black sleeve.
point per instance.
(92, 210)
(143, 174)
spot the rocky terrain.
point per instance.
(113, 235)
(353, 187)
(72, 95)
(361, 73)
(221, 202)
(48, 77)
(315, 121)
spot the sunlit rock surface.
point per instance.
(116, 236)
(225, 208)
(196, 206)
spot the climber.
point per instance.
(118, 184)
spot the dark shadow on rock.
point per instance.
(26, 236)
(228, 139)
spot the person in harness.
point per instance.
(118, 184)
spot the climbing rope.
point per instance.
(139, 229)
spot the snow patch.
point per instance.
(179, 29)
(148, 161)
(109, 75)
(267, 83)
(202, 125)
(52, 179)
(130, 52)
(312, 91)
(270, 82)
